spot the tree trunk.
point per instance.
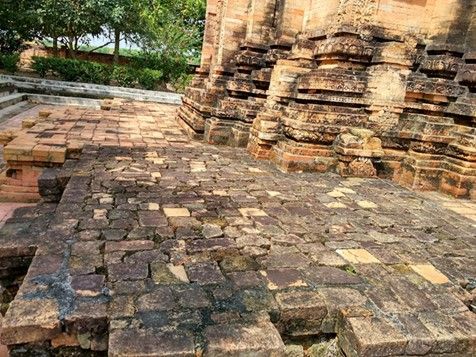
(55, 46)
(72, 51)
(117, 44)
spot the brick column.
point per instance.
(210, 34)
(238, 79)
(386, 91)
(226, 29)
(266, 129)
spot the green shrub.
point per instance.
(40, 65)
(9, 62)
(92, 72)
(181, 83)
(149, 78)
(124, 76)
(146, 60)
(72, 70)
(67, 69)
(171, 67)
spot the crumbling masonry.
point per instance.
(361, 87)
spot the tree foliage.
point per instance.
(72, 21)
(17, 24)
(124, 21)
(125, 16)
(174, 32)
(175, 25)
(168, 31)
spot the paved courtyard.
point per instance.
(162, 246)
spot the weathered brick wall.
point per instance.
(209, 35)
(362, 87)
(232, 26)
(320, 14)
(406, 16)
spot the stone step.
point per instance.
(20, 197)
(429, 333)
(61, 100)
(13, 110)
(87, 90)
(144, 342)
(6, 89)
(11, 99)
(259, 339)
(19, 189)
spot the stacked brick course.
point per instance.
(288, 78)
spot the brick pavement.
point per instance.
(169, 247)
(465, 208)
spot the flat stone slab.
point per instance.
(162, 246)
(430, 273)
(257, 339)
(24, 321)
(150, 343)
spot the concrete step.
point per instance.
(11, 99)
(87, 90)
(61, 100)
(6, 89)
(12, 110)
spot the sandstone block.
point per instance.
(258, 339)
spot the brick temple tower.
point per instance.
(361, 87)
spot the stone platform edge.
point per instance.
(85, 90)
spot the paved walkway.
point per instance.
(465, 208)
(168, 247)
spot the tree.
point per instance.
(70, 22)
(17, 19)
(125, 20)
(51, 21)
(174, 33)
(169, 31)
(187, 15)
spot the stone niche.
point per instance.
(381, 88)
